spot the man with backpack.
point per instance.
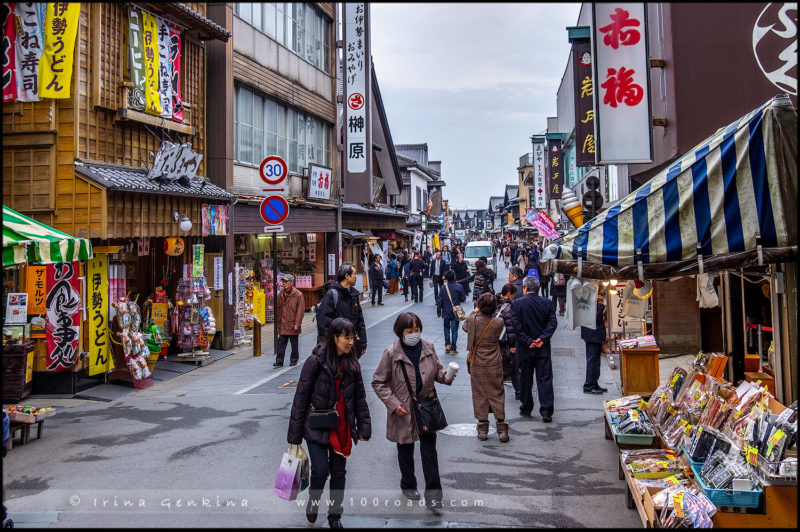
(342, 301)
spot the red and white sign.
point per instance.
(320, 179)
(273, 172)
(63, 317)
(621, 84)
(355, 101)
(274, 210)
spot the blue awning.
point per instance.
(717, 198)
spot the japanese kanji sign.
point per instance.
(55, 64)
(36, 279)
(539, 174)
(28, 48)
(175, 58)
(9, 39)
(621, 84)
(151, 64)
(97, 276)
(164, 68)
(136, 98)
(584, 105)
(357, 92)
(63, 318)
(319, 183)
(555, 169)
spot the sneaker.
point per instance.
(311, 512)
(454, 351)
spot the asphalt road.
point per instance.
(203, 450)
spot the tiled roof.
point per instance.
(201, 18)
(134, 179)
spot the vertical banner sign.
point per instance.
(259, 304)
(175, 59)
(357, 103)
(164, 68)
(151, 62)
(219, 278)
(555, 167)
(63, 318)
(136, 97)
(36, 283)
(198, 257)
(584, 102)
(99, 355)
(539, 176)
(622, 76)
(28, 50)
(55, 65)
(319, 184)
(9, 49)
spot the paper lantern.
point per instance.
(173, 246)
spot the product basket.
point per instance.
(769, 473)
(740, 499)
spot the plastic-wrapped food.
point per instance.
(707, 440)
(722, 468)
(635, 422)
(685, 508)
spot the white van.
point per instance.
(476, 249)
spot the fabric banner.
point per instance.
(584, 104)
(150, 38)
(581, 303)
(555, 169)
(164, 69)
(100, 360)
(136, 98)
(55, 65)
(9, 39)
(63, 318)
(28, 50)
(259, 304)
(36, 285)
(215, 219)
(175, 58)
(198, 259)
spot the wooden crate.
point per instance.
(639, 371)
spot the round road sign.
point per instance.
(274, 210)
(273, 170)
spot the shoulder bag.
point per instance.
(428, 412)
(328, 418)
(500, 315)
(458, 310)
(474, 349)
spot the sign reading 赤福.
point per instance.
(621, 84)
(319, 183)
(357, 103)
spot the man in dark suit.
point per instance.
(594, 339)
(416, 268)
(535, 322)
(438, 268)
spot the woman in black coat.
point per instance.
(594, 339)
(330, 379)
(461, 271)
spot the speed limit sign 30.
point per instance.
(273, 172)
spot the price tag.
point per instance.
(643, 404)
(672, 480)
(687, 429)
(635, 415)
(674, 380)
(670, 454)
(737, 414)
(752, 455)
(662, 463)
(773, 441)
(677, 500)
(671, 411)
(682, 422)
(696, 395)
(663, 396)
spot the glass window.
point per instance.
(309, 52)
(269, 19)
(291, 135)
(419, 199)
(280, 21)
(282, 132)
(236, 122)
(301, 141)
(257, 21)
(291, 27)
(327, 143)
(245, 11)
(271, 127)
(326, 36)
(245, 126)
(258, 130)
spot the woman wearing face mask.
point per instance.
(423, 369)
(330, 379)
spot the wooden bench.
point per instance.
(24, 430)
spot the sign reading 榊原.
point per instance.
(36, 284)
(99, 355)
(357, 103)
(55, 64)
(136, 97)
(63, 317)
(151, 64)
(584, 102)
(539, 176)
(621, 84)
(174, 161)
(319, 182)
(555, 166)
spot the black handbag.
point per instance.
(428, 412)
(325, 419)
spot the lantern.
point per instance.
(173, 246)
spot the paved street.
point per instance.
(203, 449)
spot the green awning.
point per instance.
(26, 240)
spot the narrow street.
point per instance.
(171, 456)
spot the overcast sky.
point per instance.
(474, 82)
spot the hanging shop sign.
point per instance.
(215, 219)
(219, 277)
(555, 167)
(143, 246)
(99, 355)
(319, 182)
(9, 59)
(63, 315)
(175, 58)
(198, 258)
(16, 308)
(619, 322)
(175, 161)
(28, 48)
(622, 77)
(173, 246)
(539, 177)
(259, 304)
(151, 62)
(36, 285)
(584, 102)
(136, 97)
(357, 103)
(164, 68)
(55, 65)
(331, 264)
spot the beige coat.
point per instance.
(486, 369)
(290, 310)
(390, 385)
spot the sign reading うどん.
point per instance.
(621, 84)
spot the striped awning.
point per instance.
(714, 201)
(26, 240)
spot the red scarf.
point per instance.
(340, 436)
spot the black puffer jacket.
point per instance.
(317, 387)
(347, 306)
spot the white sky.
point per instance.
(474, 81)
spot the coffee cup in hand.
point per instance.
(452, 369)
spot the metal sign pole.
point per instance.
(274, 294)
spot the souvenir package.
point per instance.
(635, 421)
(674, 428)
(684, 508)
(723, 468)
(707, 440)
(617, 408)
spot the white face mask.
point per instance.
(412, 339)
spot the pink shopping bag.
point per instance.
(287, 483)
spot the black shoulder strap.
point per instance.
(405, 374)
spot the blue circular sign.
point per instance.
(274, 210)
